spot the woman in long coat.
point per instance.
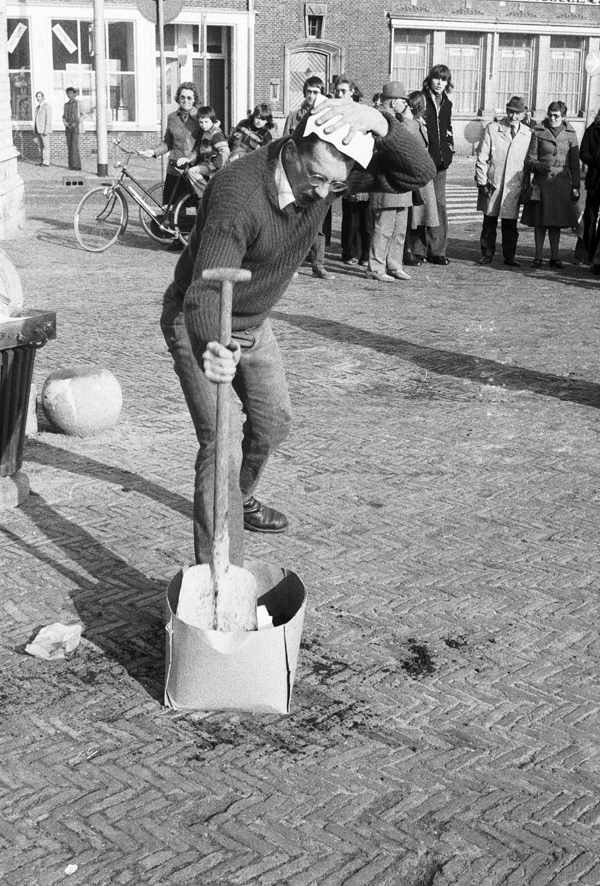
(423, 214)
(554, 160)
(499, 171)
(590, 155)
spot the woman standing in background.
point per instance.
(554, 160)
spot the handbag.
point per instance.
(530, 190)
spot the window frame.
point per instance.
(84, 81)
(459, 108)
(26, 96)
(403, 73)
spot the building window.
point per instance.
(121, 71)
(214, 40)
(411, 57)
(566, 69)
(314, 20)
(463, 53)
(515, 64)
(73, 65)
(19, 68)
(314, 26)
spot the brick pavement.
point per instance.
(442, 486)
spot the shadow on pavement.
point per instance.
(72, 462)
(132, 238)
(102, 588)
(442, 362)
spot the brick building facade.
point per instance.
(495, 48)
(240, 52)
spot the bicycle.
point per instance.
(103, 213)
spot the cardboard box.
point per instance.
(242, 670)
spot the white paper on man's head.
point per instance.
(360, 148)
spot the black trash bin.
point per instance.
(20, 337)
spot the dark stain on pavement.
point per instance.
(420, 663)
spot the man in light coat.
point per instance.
(42, 127)
(499, 171)
(389, 212)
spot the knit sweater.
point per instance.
(240, 225)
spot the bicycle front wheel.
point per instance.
(99, 219)
(185, 217)
(151, 224)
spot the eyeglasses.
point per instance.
(318, 181)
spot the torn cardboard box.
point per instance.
(241, 670)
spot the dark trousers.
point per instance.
(174, 187)
(591, 229)
(72, 134)
(355, 235)
(261, 388)
(510, 236)
(433, 241)
(316, 255)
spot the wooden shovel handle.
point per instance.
(220, 548)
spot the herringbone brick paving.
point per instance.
(442, 485)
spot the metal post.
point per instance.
(251, 24)
(160, 23)
(101, 90)
(588, 99)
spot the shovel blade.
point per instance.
(237, 592)
(222, 601)
(197, 598)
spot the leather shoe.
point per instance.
(486, 260)
(381, 276)
(260, 518)
(413, 261)
(511, 262)
(438, 260)
(322, 274)
(398, 274)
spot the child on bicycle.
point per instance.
(252, 133)
(212, 150)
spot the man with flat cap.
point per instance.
(499, 171)
(262, 214)
(389, 212)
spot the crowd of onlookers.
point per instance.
(523, 169)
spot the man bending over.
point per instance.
(262, 214)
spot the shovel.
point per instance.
(221, 596)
